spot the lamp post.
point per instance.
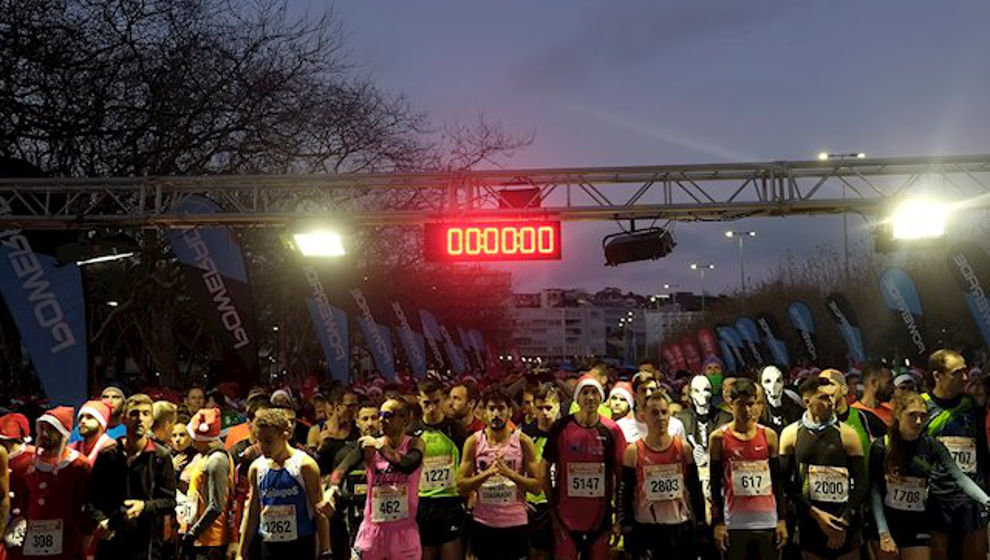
(701, 268)
(825, 156)
(740, 235)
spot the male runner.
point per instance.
(583, 455)
(205, 522)
(621, 403)
(441, 516)
(546, 407)
(93, 418)
(660, 501)
(825, 475)
(15, 433)
(781, 410)
(284, 505)
(349, 488)
(749, 518)
(956, 421)
(463, 399)
(634, 426)
(878, 389)
(846, 414)
(499, 466)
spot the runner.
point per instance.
(329, 438)
(634, 427)
(749, 518)
(826, 476)
(585, 451)
(878, 388)
(781, 410)
(5, 495)
(195, 399)
(500, 465)
(901, 470)
(855, 418)
(462, 400)
(348, 489)
(15, 434)
(284, 505)
(660, 501)
(621, 402)
(114, 397)
(954, 419)
(441, 515)
(546, 407)
(132, 489)
(204, 519)
(393, 462)
(164, 415)
(93, 419)
(600, 373)
(55, 487)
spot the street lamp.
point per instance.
(740, 235)
(702, 268)
(825, 156)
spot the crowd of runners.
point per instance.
(640, 463)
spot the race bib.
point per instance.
(751, 478)
(828, 484)
(43, 537)
(438, 473)
(586, 480)
(906, 493)
(389, 503)
(14, 536)
(498, 491)
(663, 482)
(278, 523)
(963, 450)
(185, 510)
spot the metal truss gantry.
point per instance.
(723, 191)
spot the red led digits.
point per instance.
(493, 241)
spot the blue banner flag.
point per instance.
(970, 268)
(772, 338)
(844, 317)
(751, 336)
(413, 343)
(734, 341)
(377, 337)
(330, 324)
(804, 323)
(901, 295)
(431, 331)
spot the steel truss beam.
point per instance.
(723, 191)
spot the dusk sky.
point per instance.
(648, 82)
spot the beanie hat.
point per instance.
(205, 425)
(98, 410)
(713, 360)
(60, 418)
(588, 380)
(15, 426)
(624, 390)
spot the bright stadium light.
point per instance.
(919, 219)
(321, 243)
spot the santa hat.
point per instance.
(624, 390)
(59, 418)
(205, 425)
(588, 380)
(98, 410)
(15, 427)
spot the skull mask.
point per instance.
(772, 381)
(701, 394)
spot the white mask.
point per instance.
(701, 393)
(772, 381)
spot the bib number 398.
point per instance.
(586, 480)
(43, 538)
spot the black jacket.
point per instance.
(149, 477)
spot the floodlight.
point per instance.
(823, 156)
(319, 243)
(919, 219)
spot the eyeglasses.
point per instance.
(386, 414)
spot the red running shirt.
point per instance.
(749, 499)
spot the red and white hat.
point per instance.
(59, 418)
(625, 391)
(588, 380)
(97, 409)
(15, 427)
(205, 425)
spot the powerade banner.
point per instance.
(901, 295)
(771, 335)
(413, 343)
(458, 361)
(431, 331)
(804, 323)
(751, 336)
(709, 344)
(477, 342)
(376, 336)
(217, 280)
(733, 341)
(845, 319)
(47, 303)
(330, 324)
(727, 357)
(970, 268)
(468, 348)
(691, 354)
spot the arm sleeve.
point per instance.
(217, 476)
(696, 494)
(859, 486)
(346, 464)
(407, 463)
(876, 501)
(718, 502)
(965, 483)
(778, 487)
(792, 482)
(627, 493)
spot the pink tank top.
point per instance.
(393, 497)
(500, 501)
(662, 495)
(749, 499)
